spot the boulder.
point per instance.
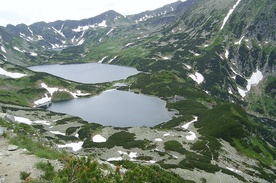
(12, 148)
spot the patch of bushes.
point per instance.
(174, 122)
(84, 169)
(153, 174)
(226, 121)
(48, 169)
(24, 175)
(190, 107)
(226, 171)
(66, 138)
(69, 120)
(207, 146)
(87, 130)
(144, 158)
(123, 138)
(71, 130)
(174, 146)
(168, 166)
(40, 128)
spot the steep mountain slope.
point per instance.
(212, 61)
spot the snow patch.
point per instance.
(122, 153)
(132, 155)
(158, 140)
(83, 28)
(112, 59)
(195, 54)
(110, 31)
(166, 58)
(58, 133)
(43, 100)
(23, 120)
(30, 31)
(98, 139)
(128, 44)
(197, 77)
(101, 61)
(39, 37)
(11, 74)
(226, 54)
(186, 126)
(43, 122)
(166, 134)
(242, 92)
(33, 54)
(59, 31)
(49, 89)
(234, 170)
(229, 13)
(188, 66)
(239, 42)
(192, 135)
(75, 146)
(81, 41)
(230, 91)
(3, 49)
(253, 80)
(29, 122)
(102, 24)
(115, 159)
(17, 49)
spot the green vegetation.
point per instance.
(61, 95)
(88, 170)
(174, 146)
(154, 174)
(34, 147)
(122, 138)
(71, 130)
(166, 84)
(87, 130)
(207, 146)
(24, 175)
(176, 121)
(48, 169)
(226, 121)
(27, 138)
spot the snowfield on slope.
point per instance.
(11, 74)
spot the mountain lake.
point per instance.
(111, 107)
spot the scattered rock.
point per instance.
(12, 148)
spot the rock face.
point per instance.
(12, 148)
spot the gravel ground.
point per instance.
(14, 162)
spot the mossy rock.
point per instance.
(61, 95)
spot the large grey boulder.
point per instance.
(12, 148)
